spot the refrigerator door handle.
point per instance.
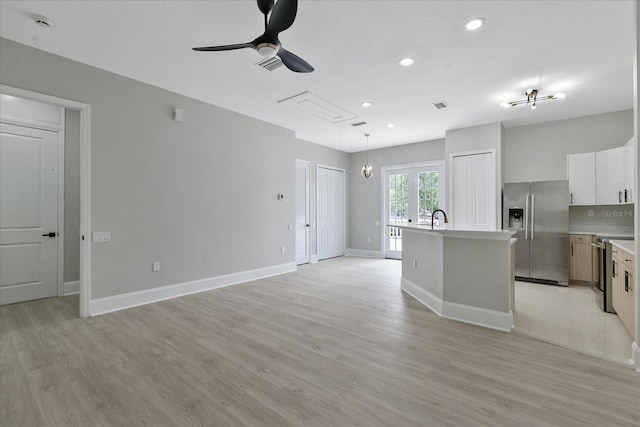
(533, 212)
(526, 218)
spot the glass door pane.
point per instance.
(428, 196)
(397, 211)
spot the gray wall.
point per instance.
(321, 155)
(366, 194)
(198, 196)
(72, 196)
(539, 152)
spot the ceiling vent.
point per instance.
(270, 63)
(319, 107)
(440, 105)
(358, 124)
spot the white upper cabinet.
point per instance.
(602, 178)
(581, 173)
(610, 176)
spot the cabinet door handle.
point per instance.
(571, 249)
(625, 195)
(571, 198)
(626, 281)
(619, 196)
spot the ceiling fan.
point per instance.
(278, 16)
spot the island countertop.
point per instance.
(462, 234)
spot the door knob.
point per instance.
(307, 225)
(52, 234)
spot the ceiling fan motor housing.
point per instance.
(267, 49)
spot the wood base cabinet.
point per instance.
(581, 258)
(623, 295)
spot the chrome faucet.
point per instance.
(443, 213)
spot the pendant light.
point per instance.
(367, 169)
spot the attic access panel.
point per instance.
(319, 107)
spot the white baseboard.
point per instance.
(363, 253)
(478, 316)
(314, 259)
(635, 355)
(133, 299)
(463, 313)
(427, 299)
(70, 288)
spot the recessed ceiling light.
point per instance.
(366, 104)
(390, 125)
(405, 62)
(474, 24)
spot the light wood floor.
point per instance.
(334, 344)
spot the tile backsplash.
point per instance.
(602, 219)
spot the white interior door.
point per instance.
(474, 192)
(28, 213)
(330, 219)
(303, 255)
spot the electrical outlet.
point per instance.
(282, 249)
(156, 266)
(589, 212)
(415, 263)
(368, 239)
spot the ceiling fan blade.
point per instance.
(265, 6)
(294, 62)
(225, 47)
(282, 16)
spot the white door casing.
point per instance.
(85, 184)
(303, 255)
(474, 191)
(330, 217)
(28, 213)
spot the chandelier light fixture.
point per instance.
(367, 169)
(532, 99)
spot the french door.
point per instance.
(411, 196)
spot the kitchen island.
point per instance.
(462, 275)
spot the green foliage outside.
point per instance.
(399, 197)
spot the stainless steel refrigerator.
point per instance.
(539, 212)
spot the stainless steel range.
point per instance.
(603, 287)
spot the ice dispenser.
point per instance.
(516, 218)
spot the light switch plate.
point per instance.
(101, 236)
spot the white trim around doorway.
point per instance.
(85, 184)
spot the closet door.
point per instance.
(474, 206)
(330, 212)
